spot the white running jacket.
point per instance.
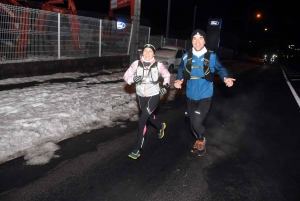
(147, 88)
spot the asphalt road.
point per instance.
(252, 153)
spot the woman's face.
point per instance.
(148, 54)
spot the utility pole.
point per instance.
(135, 31)
(194, 15)
(194, 18)
(168, 19)
(246, 35)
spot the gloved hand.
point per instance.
(164, 89)
(137, 79)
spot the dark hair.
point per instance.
(199, 32)
(149, 46)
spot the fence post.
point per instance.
(129, 42)
(100, 37)
(161, 41)
(58, 36)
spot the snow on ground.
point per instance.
(34, 119)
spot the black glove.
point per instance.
(137, 79)
(164, 89)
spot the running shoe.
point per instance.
(134, 154)
(161, 132)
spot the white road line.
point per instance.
(291, 88)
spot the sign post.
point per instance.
(135, 31)
(135, 8)
(213, 34)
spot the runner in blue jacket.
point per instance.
(199, 88)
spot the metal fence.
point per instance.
(159, 41)
(28, 34)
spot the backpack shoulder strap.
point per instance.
(154, 76)
(140, 69)
(140, 64)
(154, 64)
(206, 60)
(209, 76)
(207, 55)
(189, 61)
(188, 66)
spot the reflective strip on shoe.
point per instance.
(161, 132)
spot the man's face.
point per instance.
(198, 42)
(148, 54)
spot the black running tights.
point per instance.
(147, 107)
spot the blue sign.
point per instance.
(121, 25)
(214, 23)
(213, 34)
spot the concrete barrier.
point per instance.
(38, 68)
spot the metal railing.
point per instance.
(28, 34)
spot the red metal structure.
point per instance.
(12, 2)
(73, 21)
(117, 4)
(39, 23)
(20, 27)
(20, 23)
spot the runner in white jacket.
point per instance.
(145, 73)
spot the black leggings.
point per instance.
(147, 106)
(197, 111)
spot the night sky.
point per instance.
(281, 18)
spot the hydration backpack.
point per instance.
(153, 72)
(208, 75)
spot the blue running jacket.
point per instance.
(197, 89)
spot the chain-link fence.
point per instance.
(32, 34)
(28, 34)
(159, 41)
